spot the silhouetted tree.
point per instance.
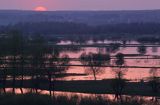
(95, 61)
(3, 53)
(57, 66)
(113, 47)
(154, 81)
(118, 84)
(142, 50)
(119, 59)
(37, 50)
(15, 42)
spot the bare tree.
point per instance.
(95, 62)
(3, 74)
(15, 42)
(142, 50)
(154, 80)
(118, 84)
(37, 51)
(57, 65)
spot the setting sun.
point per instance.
(40, 8)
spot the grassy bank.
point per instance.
(37, 99)
(90, 86)
(25, 99)
(104, 87)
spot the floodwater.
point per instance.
(133, 74)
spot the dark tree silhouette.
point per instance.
(142, 50)
(118, 84)
(57, 66)
(119, 59)
(95, 61)
(15, 42)
(113, 47)
(29, 58)
(154, 81)
(37, 50)
(3, 74)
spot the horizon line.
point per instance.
(69, 10)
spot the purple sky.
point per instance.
(81, 4)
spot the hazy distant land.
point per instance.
(87, 17)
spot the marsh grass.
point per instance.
(40, 99)
(25, 99)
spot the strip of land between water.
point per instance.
(88, 86)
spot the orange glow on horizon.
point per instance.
(40, 8)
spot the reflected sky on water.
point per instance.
(132, 73)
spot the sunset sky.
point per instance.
(80, 4)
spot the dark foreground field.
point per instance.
(37, 99)
(90, 86)
(104, 87)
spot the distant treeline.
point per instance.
(70, 28)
